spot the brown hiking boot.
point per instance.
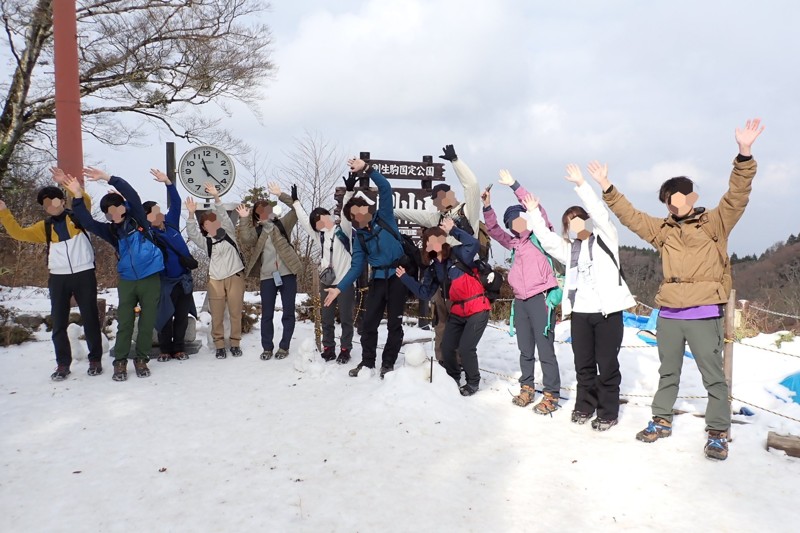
(657, 428)
(717, 445)
(525, 396)
(164, 357)
(95, 368)
(547, 405)
(120, 370)
(140, 364)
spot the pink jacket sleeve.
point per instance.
(521, 193)
(495, 231)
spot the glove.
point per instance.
(294, 193)
(350, 181)
(449, 153)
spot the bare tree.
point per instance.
(160, 61)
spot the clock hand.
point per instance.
(205, 169)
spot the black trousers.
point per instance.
(389, 295)
(83, 286)
(596, 341)
(463, 334)
(172, 336)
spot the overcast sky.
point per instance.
(655, 89)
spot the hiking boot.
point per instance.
(221, 353)
(61, 373)
(547, 405)
(266, 355)
(236, 351)
(717, 445)
(181, 356)
(282, 353)
(120, 370)
(580, 418)
(385, 370)
(468, 390)
(601, 424)
(95, 368)
(525, 396)
(657, 428)
(329, 353)
(140, 365)
(354, 371)
(164, 357)
(344, 356)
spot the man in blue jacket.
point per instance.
(377, 243)
(139, 265)
(177, 285)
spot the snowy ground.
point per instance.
(297, 445)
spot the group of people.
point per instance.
(155, 274)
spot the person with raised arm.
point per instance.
(693, 244)
(377, 244)
(215, 234)
(531, 278)
(70, 262)
(335, 242)
(177, 286)
(139, 265)
(453, 272)
(596, 296)
(274, 261)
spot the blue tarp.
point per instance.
(793, 384)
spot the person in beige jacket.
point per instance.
(217, 236)
(271, 257)
(693, 244)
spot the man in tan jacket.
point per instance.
(693, 244)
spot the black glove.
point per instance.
(449, 153)
(294, 193)
(350, 181)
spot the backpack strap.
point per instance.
(607, 250)
(48, 235)
(339, 232)
(282, 229)
(227, 238)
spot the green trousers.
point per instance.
(146, 293)
(705, 338)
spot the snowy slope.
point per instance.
(297, 445)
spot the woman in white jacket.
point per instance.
(595, 296)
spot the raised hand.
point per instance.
(356, 165)
(243, 211)
(506, 178)
(73, 185)
(58, 175)
(449, 153)
(599, 173)
(293, 190)
(447, 224)
(400, 271)
(95, 174)
(486, 196)
(574, 174)
(212, 190)
(3, 205)
(160, 176)
(274, 188)
(531, 202)
(747, 135)
(332, 294)
(350, 181)
(191, 206)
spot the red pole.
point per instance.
(69, 143)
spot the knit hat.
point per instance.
(511, 213)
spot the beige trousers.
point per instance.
(230, 292)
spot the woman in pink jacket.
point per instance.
(531, 277)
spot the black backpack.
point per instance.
(484, 240)
(491, 280)
(411, 260)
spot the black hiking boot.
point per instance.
(385, 370)
(468, 390)
(344, 356)
(181, 356)
(163, 357)
(282, 353)
(140, 365)
(354, 371)
(95, 368)
(120, 370)
(329, 353)
(221, 353)
(236, 351)
(266, 355)
(601, 424)
(580, 418)
(61, 373)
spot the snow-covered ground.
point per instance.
(297, 445)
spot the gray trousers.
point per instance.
(328, 316)
(705, 338)
(530, 320)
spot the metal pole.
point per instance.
(727, 350)
(69, 143)
(170, 170)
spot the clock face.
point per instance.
(203, 164)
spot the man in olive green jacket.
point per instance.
(693, 244)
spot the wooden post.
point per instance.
(69, 140)
(423, 310)
(727, 350)
(788, 443)
(171, 166)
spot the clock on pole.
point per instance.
(203, 164)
